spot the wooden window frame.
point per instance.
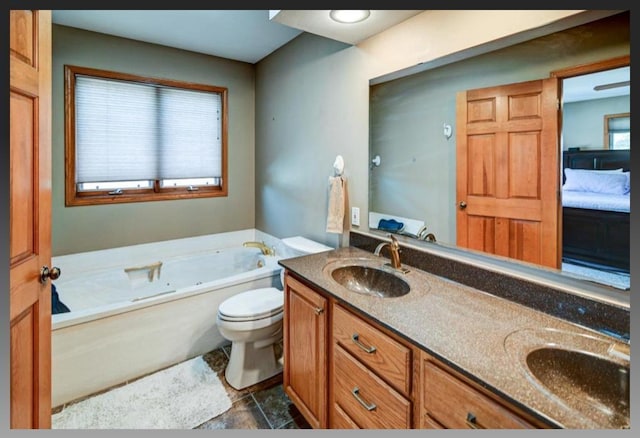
(607, 117)
(101, 197)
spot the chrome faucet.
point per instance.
(394, 250)
(262, 246)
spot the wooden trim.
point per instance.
(75, 198)
(106, 74)
(577, 70)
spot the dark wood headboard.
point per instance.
(598, 159)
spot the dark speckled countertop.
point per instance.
(483, 336)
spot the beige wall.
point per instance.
(441, 34)
(84, 228)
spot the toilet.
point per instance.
(252, 321)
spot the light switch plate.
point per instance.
(355, 216)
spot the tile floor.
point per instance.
(261, 406)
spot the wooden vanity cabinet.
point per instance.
(450, 401)
(345, 371)
(305, 331)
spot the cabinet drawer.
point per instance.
(340, 419)
(388, 358)
(365, 398)
(456, 405)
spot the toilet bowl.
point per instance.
(252, 321)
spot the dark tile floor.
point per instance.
(261, 406)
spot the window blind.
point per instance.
(132, 131)
(618, 124)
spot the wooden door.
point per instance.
(30, 218)
(305, 351)
(508, 171)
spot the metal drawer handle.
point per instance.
(355, 337)
(472, 421)
(318, 310)
(368, 406)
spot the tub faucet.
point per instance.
(394, 250)
(263, 247)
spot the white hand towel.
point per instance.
(335, 214)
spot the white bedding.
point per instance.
(596, 201)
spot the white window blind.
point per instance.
(619, 124)
(133, 131)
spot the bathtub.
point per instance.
(138, 309)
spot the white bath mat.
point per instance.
(180, 397)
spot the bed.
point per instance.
(596, 208)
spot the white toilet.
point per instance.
(252, 321)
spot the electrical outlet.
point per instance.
(355, 216)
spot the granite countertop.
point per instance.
(483, 336)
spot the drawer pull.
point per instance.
(368, 406)
(472, 421)
(318, 310)
(355, 339)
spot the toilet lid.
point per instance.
(253, 304)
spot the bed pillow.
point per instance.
(628, 185)
(614, 183)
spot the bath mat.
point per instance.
(180, 397)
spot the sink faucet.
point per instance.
(263, 247)
(394, 250)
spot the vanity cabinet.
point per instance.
(305, 350)
(449, 401)
(345, 371)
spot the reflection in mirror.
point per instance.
(416, 177)
(617, 131)
(596, 202)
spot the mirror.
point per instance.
(412, 161)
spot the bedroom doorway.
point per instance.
(595, 147)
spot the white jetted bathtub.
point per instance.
(141, 308)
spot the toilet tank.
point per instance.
(298, 246)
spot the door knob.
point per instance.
(462, 205)
(46, 273)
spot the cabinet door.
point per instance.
(305, 346)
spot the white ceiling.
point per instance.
(580, 88)
(251, 35)
(241, 35)
(319, 23)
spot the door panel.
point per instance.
(30, 218)
(508, 171)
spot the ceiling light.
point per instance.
(347, 16)
(613, 85)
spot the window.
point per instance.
(617, 131)
(131, 138)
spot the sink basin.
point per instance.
(371, 281)
(577, 377)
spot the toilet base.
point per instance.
(251, 363)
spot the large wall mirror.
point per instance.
(412, 168)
